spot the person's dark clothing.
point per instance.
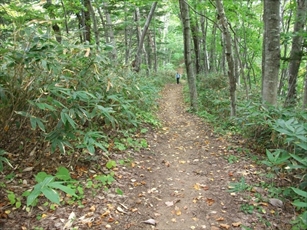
(177, 77)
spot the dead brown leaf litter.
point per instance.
(180, 182)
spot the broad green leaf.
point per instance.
(302, 145)
(41, 176)
(111, 164)
(299, 159)
(33, 122)
(34, 194)
(91, 148)
(51, 195)
(63, 174)
(71, 121)
(300, 192)
(63, 117)
(119, 191)
(66, 189)
(300, 204)
(41, 125)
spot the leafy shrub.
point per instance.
(213, 97)
(69, 95)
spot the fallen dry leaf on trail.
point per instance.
(263, 204)
(169, 203)
(237, 224)
(121, 210)
(93, 208)
(226, 226)
(220, 219)
(71, 218)
(150, 221)
(105, 213)
(210, 201)
(28, 169)
(204, 187)
(196, 186)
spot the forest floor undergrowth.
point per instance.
(181, 181)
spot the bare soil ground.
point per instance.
(180, 181)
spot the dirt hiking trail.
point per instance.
(179, 182)
(183, 179)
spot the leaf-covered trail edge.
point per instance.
(182, 180)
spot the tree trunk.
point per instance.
(87, 20)
(55, 26)
(229, 55)
(126, 36)
(204, 28)
(137, 60)
(285, 25)
(80, 26)
(103, 23)
(185, 18)
(155, 51)
(241, 67)
(296, 52)
(212, 55)
(65, 16)
(305, 91)
(96, 32)
(271, 60)
(109, 28)
(195, 35)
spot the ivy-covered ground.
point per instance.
(184, 177)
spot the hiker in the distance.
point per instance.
(177, 77)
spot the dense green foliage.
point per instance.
(69, 94)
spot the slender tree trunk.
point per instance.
(212, 55)
(305, 91)
(195, 35)
(241, 67)
(96, 32)
(65, 16)
(185, 18)
(271, 60)
(296, 52)
(103, 23)
(87, 20)
(80, 26)
(223, 56)
(126, 36)
(55, 26)
(285, 25)
(137, 60)
(155, 51)
(229, 55)
(204, 28)
(110, 32)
